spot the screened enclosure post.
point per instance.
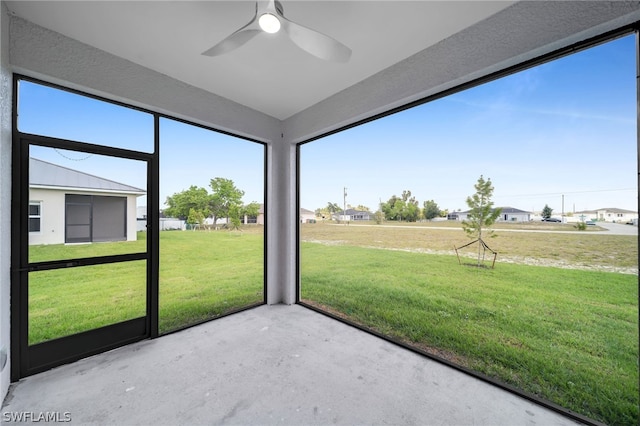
(637, 35)
(282, 219)
(153, 232)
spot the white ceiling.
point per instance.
(269, 74)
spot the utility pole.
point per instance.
(344, 205)
(562, 208)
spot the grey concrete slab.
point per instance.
(269, 365)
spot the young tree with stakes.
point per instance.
(481, 215)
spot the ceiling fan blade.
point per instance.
(317, 44)
(236, 39)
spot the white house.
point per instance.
(304, 217)
(307, 216)
(68, 206)
(507, 214)
(610, 214)
(352, 214)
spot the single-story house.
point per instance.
(69, 206)
(351, 214)
(507, 214)
(307, 216)
(610, 214)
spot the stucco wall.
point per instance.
(52, 215)
(5, 196)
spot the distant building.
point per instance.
(610, 214)
(69, 206)
(507, 214)
(351, 214)
(307, 216)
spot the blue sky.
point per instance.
(189, 155)
(567, 127)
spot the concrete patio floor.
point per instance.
(269, 365)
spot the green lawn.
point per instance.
(206, 274)
(568, 336)
(202, 275)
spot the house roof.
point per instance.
(48, 175)
(302, 210)
(512, 210)
(352, 212)
(609, 210)
(503, 210)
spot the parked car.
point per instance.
(551, 219)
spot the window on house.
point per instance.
(35, 211)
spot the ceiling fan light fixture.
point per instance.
(269, 23)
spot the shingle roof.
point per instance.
(44, 174)
(504, 210)
(609, 209)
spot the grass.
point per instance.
(569, 336)
(574, 248)
(206, 274)
(202, 275)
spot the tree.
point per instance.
(404, 208)
(333, 208)
(251, 210)
(233, 218)
(181, 203)
(411, 210)
(430, 210)
(392, 209)
(481, 214)
(196, 217)
(224, 198)
(378, 216)
(546, 212)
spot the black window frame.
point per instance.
(20, 265)
(626, 30)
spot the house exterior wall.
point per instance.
(305, 217)
(514, 217)
(605, 215)
(52, 210)
(615, 216)
(510, 217)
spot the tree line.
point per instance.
(404, 208)
(196, 204)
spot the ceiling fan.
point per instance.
(269, 18)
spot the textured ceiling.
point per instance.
(270, 73)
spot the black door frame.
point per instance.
(27, 360)
(32, 359)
